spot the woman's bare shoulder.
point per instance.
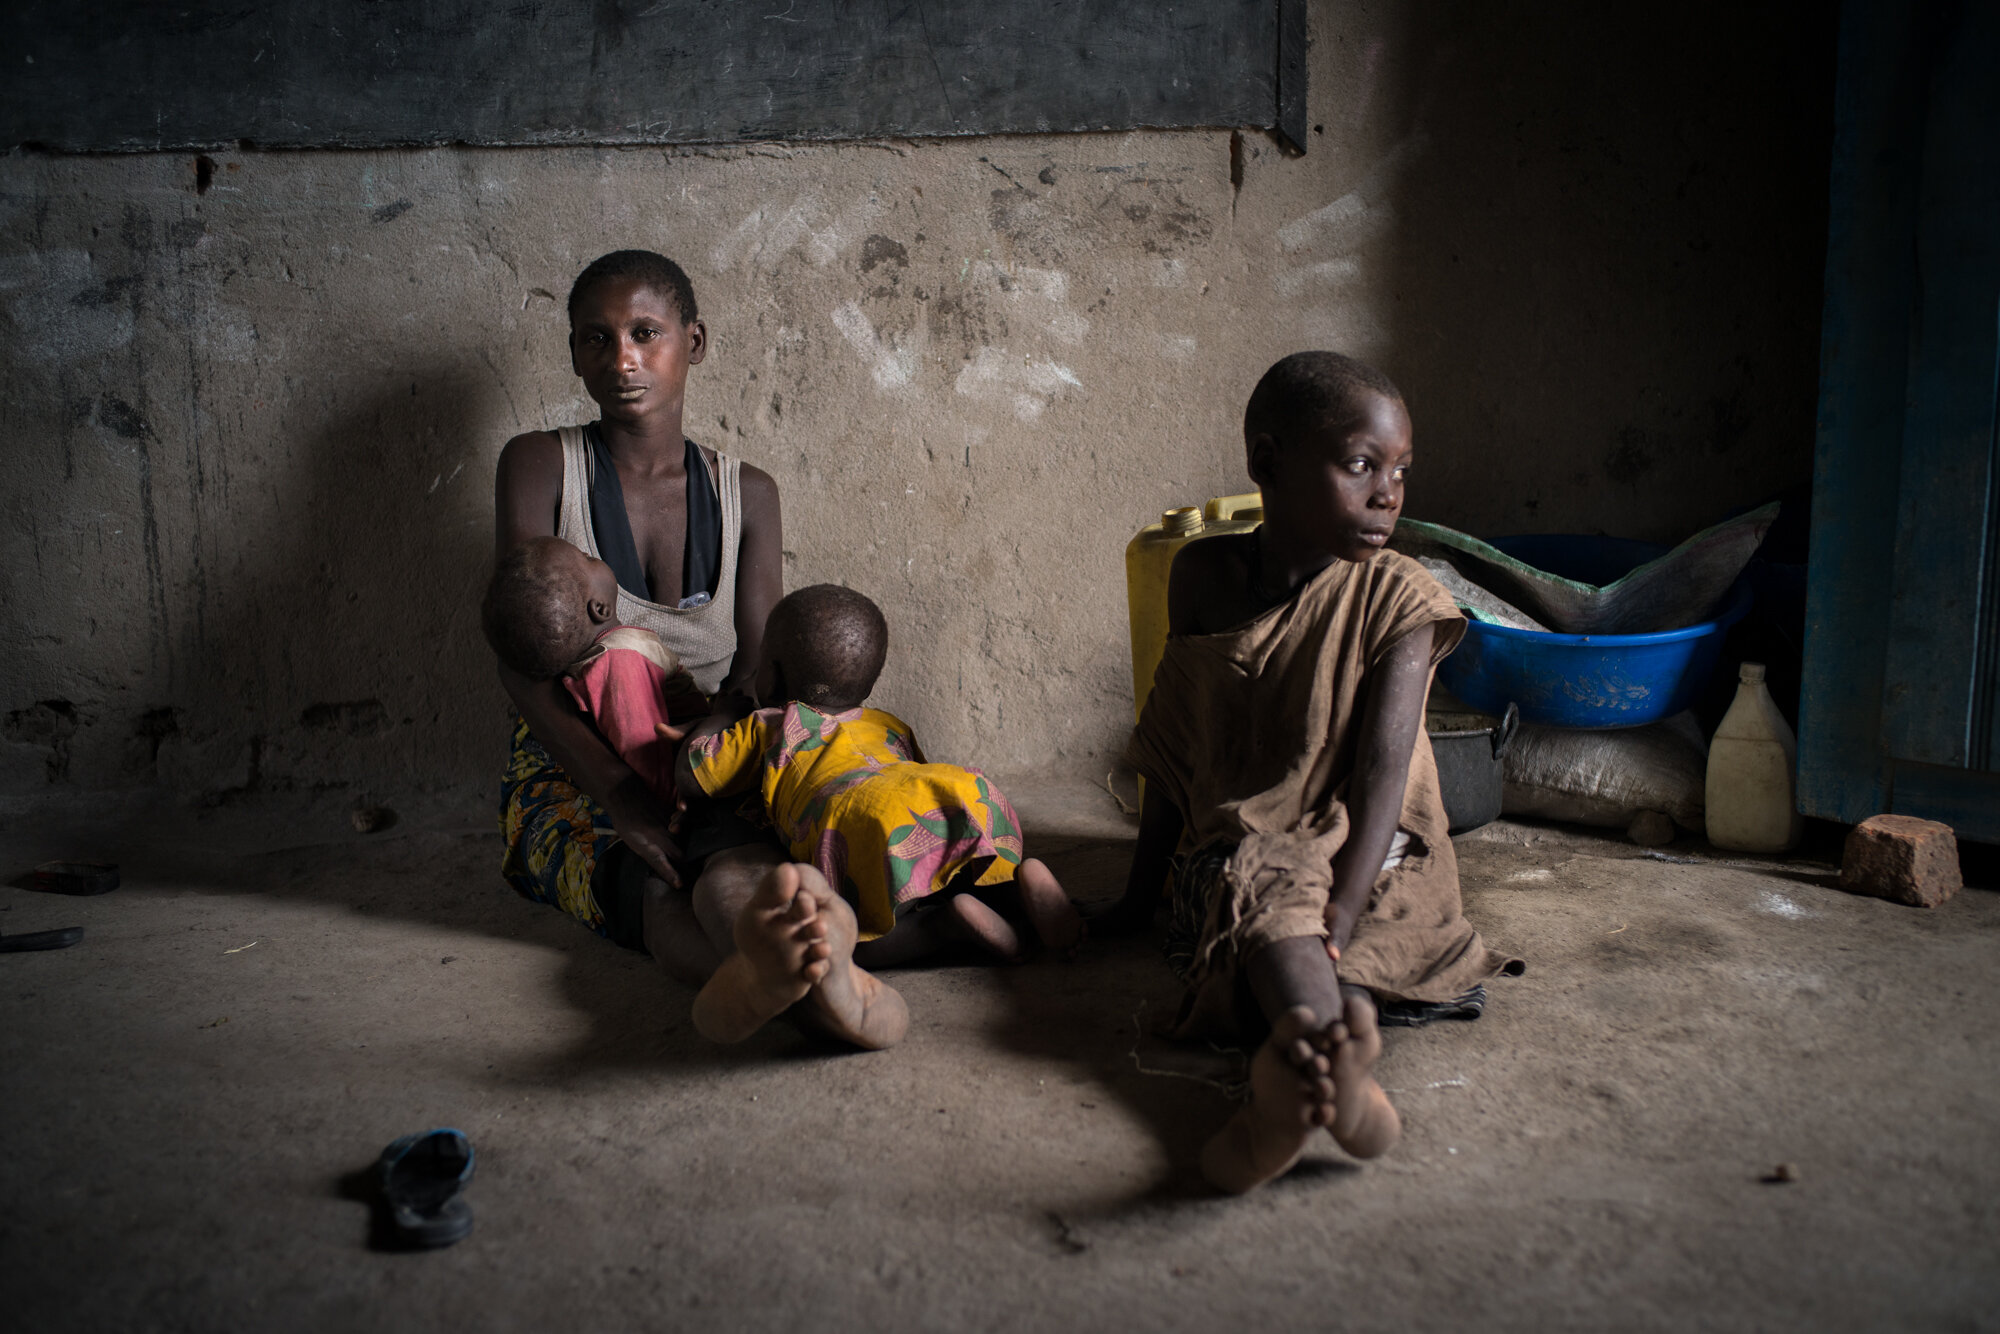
(532, 450)
(760, 490)
(527, 487)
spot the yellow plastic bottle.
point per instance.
(1751, 800)
(1149, 556)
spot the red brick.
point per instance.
(1902, 858)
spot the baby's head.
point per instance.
(1327, 438)
(823, 646)
(546, 605)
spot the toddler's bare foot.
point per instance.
(847, 1001)
(973, 923)
(1049, 910)
(1365, 1122)
(782, 950)
(1291, 1093)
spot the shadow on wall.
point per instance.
(366, 569)
(1611, 224)
(237, 513)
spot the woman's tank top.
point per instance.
(704, 636)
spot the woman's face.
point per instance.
(630, 347)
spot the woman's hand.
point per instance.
(673, 736)
(636, 815)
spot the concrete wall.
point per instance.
(251, 431)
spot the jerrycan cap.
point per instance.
(1182, 522)
(1750, 671)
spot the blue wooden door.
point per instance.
(1902, 657)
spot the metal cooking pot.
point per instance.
(1469, 770)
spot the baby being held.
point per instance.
(551, 611)
(919, 856)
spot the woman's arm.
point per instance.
(527, 491)
(590, 764)
(760, 573)
(1391, 713)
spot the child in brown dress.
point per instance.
(1285, 760)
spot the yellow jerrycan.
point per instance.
(1148, 558)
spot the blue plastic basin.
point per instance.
(1589, 681)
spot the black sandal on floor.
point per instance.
(421, 1177)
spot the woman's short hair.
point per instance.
(655, 271)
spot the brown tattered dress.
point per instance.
(1253, 733)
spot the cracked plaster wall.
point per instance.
(252, 428)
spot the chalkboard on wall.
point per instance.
(133, 76)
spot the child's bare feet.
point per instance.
(1291, 1093)
(847, 1001)
(1365, 1122)
(782, 950)
(974, 923)
(1054, 918)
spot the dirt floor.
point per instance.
(270, 998)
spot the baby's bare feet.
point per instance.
(847, 1001)
(1054, 918)
(1365, 1122)
(974, 923)
(782, 950)
(1291, 1093)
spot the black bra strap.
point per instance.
(701, 563)
(609, 522)
(701, 566)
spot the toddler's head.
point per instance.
(546, 605)
(1327, 438)
(823, 646)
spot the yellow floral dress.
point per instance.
(851, 794)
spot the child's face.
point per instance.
(632, 350)
(1342, 485)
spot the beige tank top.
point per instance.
(704, 636)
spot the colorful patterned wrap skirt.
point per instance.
(553, 832)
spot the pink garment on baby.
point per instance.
(624, 684)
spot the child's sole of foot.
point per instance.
(1291, 1096)
(847, 1001)
(782, 952)
(1365, 1123)
(1055, 920)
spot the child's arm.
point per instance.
(1160, 821)
(1391, 715)
(1160, 826)
(730, 710)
